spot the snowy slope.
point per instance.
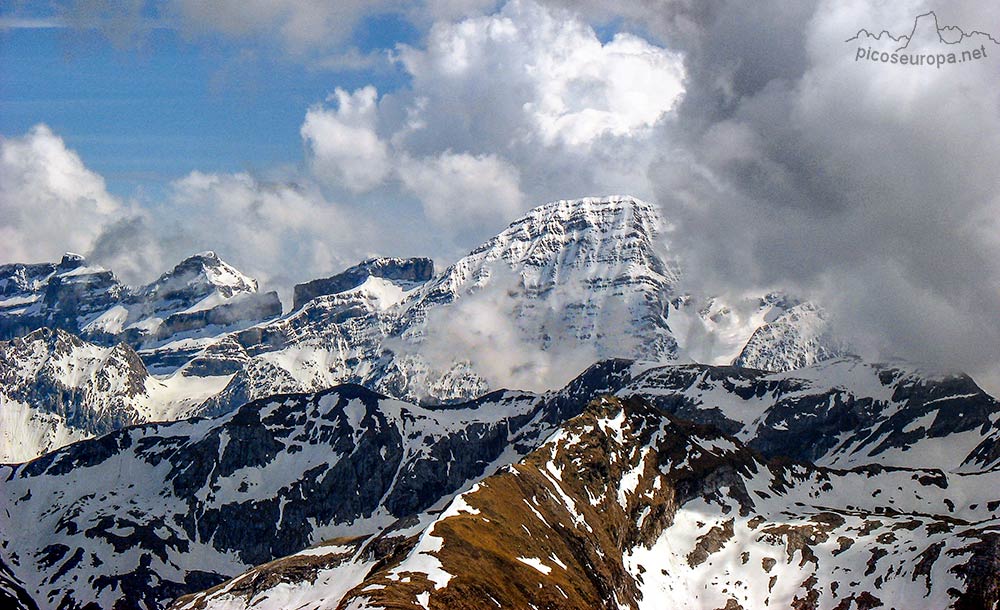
(181, 507)
(26, 432)
(625, 507)
(56, 388)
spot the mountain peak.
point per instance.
(200, 275)
(52, 338)
(72, 260)
(591, 207)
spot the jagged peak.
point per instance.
(73, 264)
(203, 269)
(206, 259)
(619, 216)
(52, 337)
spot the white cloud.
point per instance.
(278, 232)
(501, 340)
(49, 201)
(459, 190)
(541, 75)
(345, 149)
(618, 88)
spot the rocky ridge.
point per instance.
(628, 507)
(181, 507)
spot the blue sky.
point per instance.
(296, 137)
(150, 112)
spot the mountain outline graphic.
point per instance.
(945, 35)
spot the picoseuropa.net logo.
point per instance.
(928, 44)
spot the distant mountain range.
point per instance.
(188, 445)
(571, 283)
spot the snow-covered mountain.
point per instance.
(798, 336)
(148, 513)
(570, 283)
(167, 320)
(56, 388)
(70, 368)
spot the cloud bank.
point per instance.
(870, 186)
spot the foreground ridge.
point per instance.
(148, 513)
(627, 507)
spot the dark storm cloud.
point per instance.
(872, 187)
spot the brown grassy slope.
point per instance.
(522, 513)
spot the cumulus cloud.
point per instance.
(500, 340)
(502, 111)
(279, 232)
(463, 190)
(133, 249)
(50, 202)
(345, 149)
(531, 75)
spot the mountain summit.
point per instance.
(569, 283)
